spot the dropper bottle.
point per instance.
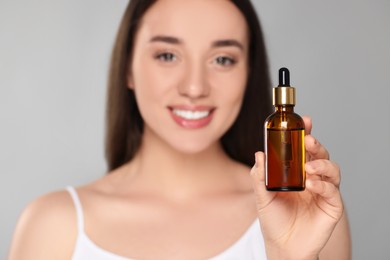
(284, 140)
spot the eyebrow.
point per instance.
(166, 39)
(227, 43)
(215, 44)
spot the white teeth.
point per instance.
(191, 115)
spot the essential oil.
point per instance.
(284, 140)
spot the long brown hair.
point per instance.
(124, 124)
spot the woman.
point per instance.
(187, 97)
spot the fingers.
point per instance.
(330, 201)
(308, 124)
(323, 179)
(257, 171)
(322, 188)
(324, 170)
(263, 197)
(315, 149)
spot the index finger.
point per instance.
(315, 149)
(308, 124)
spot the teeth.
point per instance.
(191, 115)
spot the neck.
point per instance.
(164, 170)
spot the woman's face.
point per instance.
(189, 71)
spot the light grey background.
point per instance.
(53, 70)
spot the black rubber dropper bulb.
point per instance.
(284, 77)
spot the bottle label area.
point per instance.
(285, 151)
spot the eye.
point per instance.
(166, 57)
(225, 61)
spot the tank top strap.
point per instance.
(79, 210)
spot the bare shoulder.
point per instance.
(47, 229)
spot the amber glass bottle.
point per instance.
(284, 140)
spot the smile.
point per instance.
(192, 117)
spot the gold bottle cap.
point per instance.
(284, 94)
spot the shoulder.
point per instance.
(47, 228)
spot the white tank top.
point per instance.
(249, 247)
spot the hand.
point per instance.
(297, 225)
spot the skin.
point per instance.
(188, 72)
(181, 182)
(312, 221)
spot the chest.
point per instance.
(158, 230)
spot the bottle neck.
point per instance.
(284, 108)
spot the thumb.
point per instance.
(263, 197)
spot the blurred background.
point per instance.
(54, 58)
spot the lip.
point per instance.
(192, 123)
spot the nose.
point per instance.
(195, 85)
